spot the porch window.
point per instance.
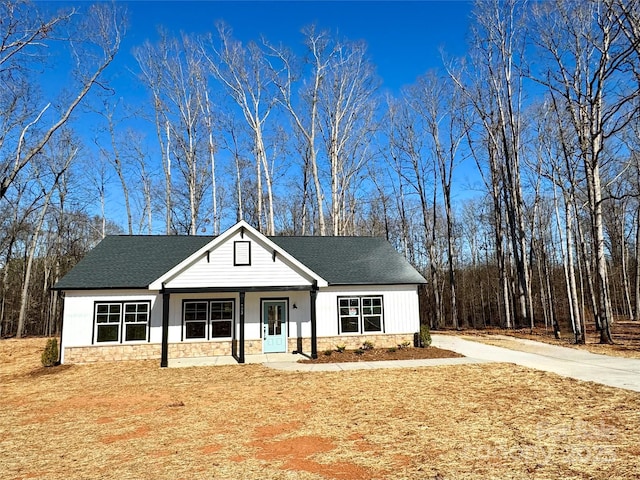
(121, 321)
(195, 320)
(221, 318)
(207, 319)
(360, 314)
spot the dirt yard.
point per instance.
(133, 420)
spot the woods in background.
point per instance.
(509, 177)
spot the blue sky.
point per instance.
(404, 37)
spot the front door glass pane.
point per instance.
(274, 316)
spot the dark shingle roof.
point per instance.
(351, 260)
(130, 261)
(137, 261)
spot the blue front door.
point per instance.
(274, 326)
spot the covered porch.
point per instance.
(269, 299)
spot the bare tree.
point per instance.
(586, 52)
(346, 108)
(494, 88)
(246, 76)
(60, 158)
(26, 123)
(173, 71)
(306, 112)
(440, 105)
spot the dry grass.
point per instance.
(625, 333)
(133, 420)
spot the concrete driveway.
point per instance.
(568, 362)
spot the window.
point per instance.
(205, 319)
(372, 314)
(221, 318)
(349, 315)
(195, 319)
(108, 322)
(132, 317)
(360, 314)
(136, 319)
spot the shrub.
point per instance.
(328, 352)
(367, 345)
(341, 348)
(359, 351)
(425, 336)
(392, 349)
(50, 355)
(404, 345)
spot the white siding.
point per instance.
(78, 313)
(400, 304)
(400, 307)
(219, 269)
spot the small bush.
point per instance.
(50, 355)
(358, 351)
(392, 349)
(425, 336)
(341, 348)
(328, 352)
(404, 345)
(367, 345)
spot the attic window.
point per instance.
(242, 253)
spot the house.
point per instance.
(240, 293)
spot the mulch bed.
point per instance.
(378, 354)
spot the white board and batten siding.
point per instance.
(217, 268)
(400, 307)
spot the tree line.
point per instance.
(305, 140)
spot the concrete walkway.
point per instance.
(568, 362)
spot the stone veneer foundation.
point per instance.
(151, 351)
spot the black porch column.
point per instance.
(241, 340)
(314, 336)
(164, 356)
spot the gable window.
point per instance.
(241, 253)
(206, 319)
(360, 314)
(121, 321)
